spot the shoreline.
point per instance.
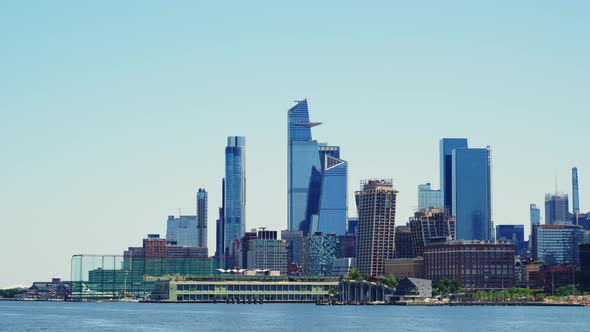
(413, 304)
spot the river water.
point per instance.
(46, 316)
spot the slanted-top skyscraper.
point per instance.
(317, 179)
(235, 191)
(333, 207)
(304, 165)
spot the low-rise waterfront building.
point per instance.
(476, 264)
(252, 290)
(413, 289)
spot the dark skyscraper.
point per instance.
(556, 209)
(403, 242)
(235, 190)
(202, 218)
(575, 192)
(513, 234)
(472, 195)
(219, 229)
(447, 145)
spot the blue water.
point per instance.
(44, 316)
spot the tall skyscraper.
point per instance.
(472, 193)
(304, 166)
(535, 213)
(219, 229)
(556, 209)
(575, 192)
(202, 218)
(317, 179)
(429, 198)
(376, 205)
(447, 145)
(333, 211)
(235, 191)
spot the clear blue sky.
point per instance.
(113, 113)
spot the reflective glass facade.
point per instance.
(303, 163)
(429, 198)
(333, 198)
(535, 216)
(472, 201)
(235, 190)
(513, 234)
(447, 145)
(317, 179)
(557, 244)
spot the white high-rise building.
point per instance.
(184, 231)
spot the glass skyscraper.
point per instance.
(575, 192)
(535, 216)
(447, 145)
(513, 234)
(333, 198)
(429, 198)
(317, 179)
(202, 218)
(472, 196)
(234, 218)
(304, 166)
(556, 209)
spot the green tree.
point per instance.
(455, 286)
(9, 293)
(354, 274)
(390, 281)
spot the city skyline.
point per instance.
(103, 138)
